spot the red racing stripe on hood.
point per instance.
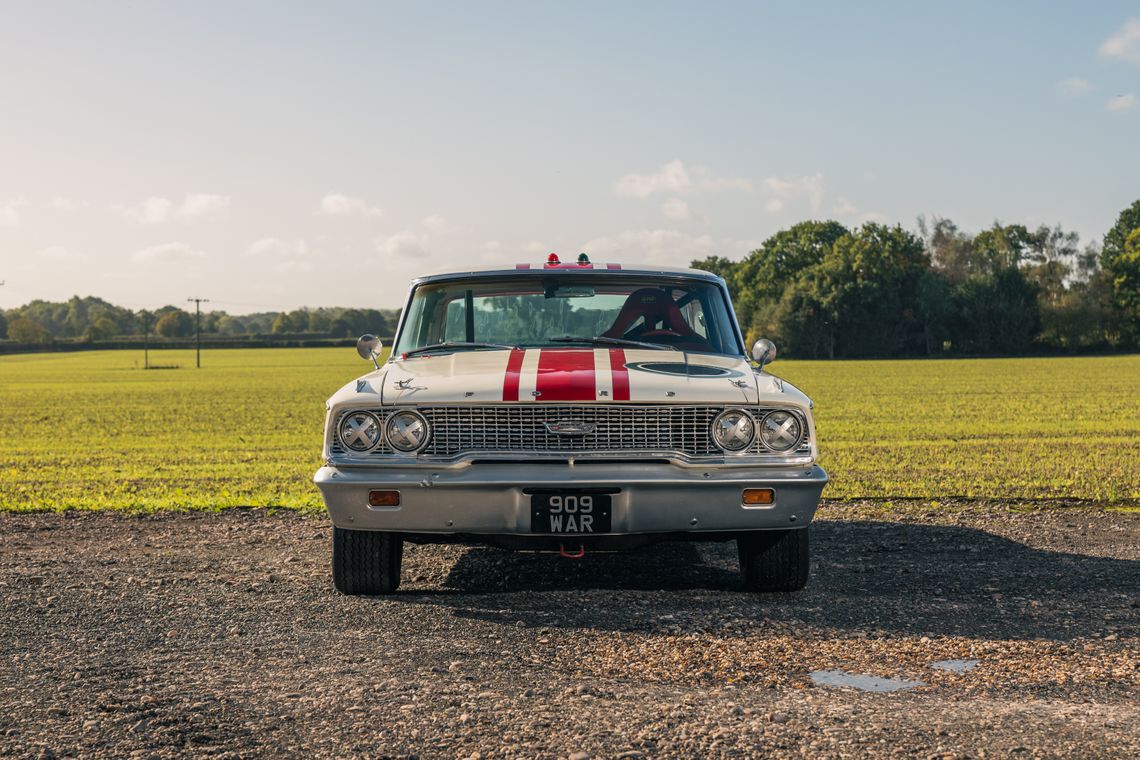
(566, 374)
(619, 375)
(511, 378)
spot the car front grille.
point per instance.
(617, 429)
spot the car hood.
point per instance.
(569, 375)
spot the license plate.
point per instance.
(570, 512)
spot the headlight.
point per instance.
(406, 431)
(781, 431)
(734, 430)
(359, 431)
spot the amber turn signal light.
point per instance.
(383, 498)
(758, 496)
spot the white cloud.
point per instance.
(772, 205)
(844, 207)
(675, 208)
(662, 246)
(277, 248)
(1121, 103)
(1074, 87)
(63, 203)
(711, 183)
(150, 211)
(282, 255)
(809, 187)
(157, 210)
(407, 244)
(337, 204)
(677, 178)
(167, 253)
(203, 204)
(414, 241)
(59, 254)
(670, 178)
(1125, 43)
(10, 212)
(491, 252)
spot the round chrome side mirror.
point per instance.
(764, 352)
(368, 346)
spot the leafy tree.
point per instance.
(879, 311)
(227, 325)
(935, 310)
(996, 313)
(759, 280)
(174, 323)
(1124, 277)
(860, 298)
(804, 320)
(1117, 237)
(718, 265)
(24, 330)
(291, 322)
(1119, 260)
(3, 326)
(103, 328)
(951, 250)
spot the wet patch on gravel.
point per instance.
(220, 634)
(861, 681)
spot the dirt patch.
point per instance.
(221, 634)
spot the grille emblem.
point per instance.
(570, 427)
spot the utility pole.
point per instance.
(147, 318)
(198, 328)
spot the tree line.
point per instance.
(92, 319)
(821, 290)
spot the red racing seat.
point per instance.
(660, 312)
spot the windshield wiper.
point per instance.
(458, 346)
(601, 339)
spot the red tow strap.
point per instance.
(581, 552)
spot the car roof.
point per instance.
(542, 268)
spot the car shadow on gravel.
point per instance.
(900, 578)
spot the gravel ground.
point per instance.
(220, 634)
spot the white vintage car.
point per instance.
(569, 407)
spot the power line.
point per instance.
(198, 328)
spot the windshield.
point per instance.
(563, 311)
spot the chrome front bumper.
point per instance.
(493, 498)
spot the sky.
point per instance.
(274, 155)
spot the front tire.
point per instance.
(366, 562)
(774, 560)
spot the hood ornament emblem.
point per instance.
(570, 427)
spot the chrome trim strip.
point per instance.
(674, 432)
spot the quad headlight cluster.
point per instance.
(359, 431)
(405, 431)
(735, 430)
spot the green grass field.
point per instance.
(93, 430)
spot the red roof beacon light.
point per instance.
(553, 259)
